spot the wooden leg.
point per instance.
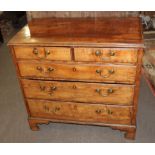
(130, 131)
(33, 123)
(130, 134)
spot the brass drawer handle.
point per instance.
(48, 90)
(108, 111)
(42, 88)
(108, 92)
(47, 52)
(56, 109)
(39, 68)
(110, 72)
(50, 69)
(53, 88)
(98, 111)
(112, 53)
(98, 53)
(35, 51)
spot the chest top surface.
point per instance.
(97, 32)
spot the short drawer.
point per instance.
(106, 55)
(79, 92)
(47, 53)
(78, 72)
(80, 112)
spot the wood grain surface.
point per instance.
(42, 53)
(91, 32)
(79, 72)
(80, 112)
(79, 92)
(125, 28)
(111, 55)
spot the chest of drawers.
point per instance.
(81, 78)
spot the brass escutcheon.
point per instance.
(74, 69)
(74, 87)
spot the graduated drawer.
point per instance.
(46, 53)
(80, 112)
(78, 72)
(79, 92)
(112, 55)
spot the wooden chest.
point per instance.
(84, 71)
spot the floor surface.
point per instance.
(13, 117)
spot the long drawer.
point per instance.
(79, 92)
(42, 53)
(80, 112)
(112, 55)
(78, 72)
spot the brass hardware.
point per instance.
(50, 69)
(98, 90)
(53, 88)
(74, 69)
(109, 91)
(74, 86)
(109, 112)
(46, 108)
(111, 53)
(47, 52)
(39, 68)
(110, 72)
(56, 109)
(98, 71)
(98, 111)
(35, 51)
(98, 53)
(42, 88)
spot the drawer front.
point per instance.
(80, 112)
(79, 72)
(106, 55)
(47, 53)
(79, 92)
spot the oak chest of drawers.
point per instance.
(87, 77)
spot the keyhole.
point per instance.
(74, 69)
(74, 86)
